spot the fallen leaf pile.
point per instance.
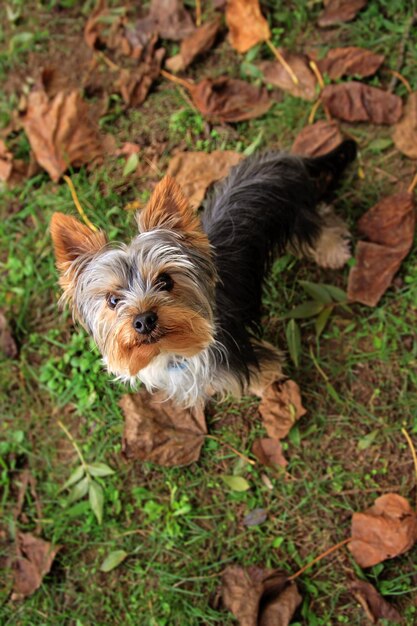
(389, 228)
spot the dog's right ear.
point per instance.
(73, 240)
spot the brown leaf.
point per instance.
(171, 19)
(350, 61)
(319, 138)
(34, 561)
(384, 531)
(390, 226)
(201, 40)
(246, 24)
(268, 451)
(134, 85)
(281, 407)
(196, 171)
(405, 131)
(276, 74)
(12, 171)
(340, 11)
(7, 342)
(60, 131)
(356, 102)
(229, 100)
(374, 605)
(156, 430)
(259, 597)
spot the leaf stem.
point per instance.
(320, 557)
(412, 448)
(283, 62)
(77, 203)
(74, 443)
(227, 445)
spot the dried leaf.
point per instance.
(281, 407)
(405, 131)
(350, 61)
(390, 226)
(336, 11)
(171, 19)
(247, 26)
(60, 132)
(316, 139)
(374, 605)
(201, 40)
(134, 84)
(229, 100)
(156, 430)
(196, 171)
(268, 451)
(356, 102)
(7, 343)
(259, 597)
(384, 531)
(34, 561)
(275, 74)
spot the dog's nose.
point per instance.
(145, 323)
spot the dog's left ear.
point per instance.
(169, 208)
(72, 239)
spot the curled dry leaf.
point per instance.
(12, 171)
(336, 11)
(7, 342)
(374, 605)
(319, 138)
(134, 84)
(268, 451)
(247, 26)
(404, 132)
(229, 100)
(196, 171)
(350, 61)
(34, 560)
(172, 20)
(275, 74)
(356, 102)
(201, 40)
(60, 131)
(384, 531)
(259, 597)
(281, 407)
(389, 225)
(158, 431)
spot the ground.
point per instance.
(182, 526)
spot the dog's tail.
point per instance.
(326, 170)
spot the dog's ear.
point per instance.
(169, 208)
(72, 239)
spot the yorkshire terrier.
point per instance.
(179, 307)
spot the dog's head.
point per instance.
(150, 297)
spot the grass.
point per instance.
(181, 526)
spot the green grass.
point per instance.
(182, 526)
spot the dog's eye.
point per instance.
(112, 300)
(164, 282)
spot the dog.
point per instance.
(179, 307)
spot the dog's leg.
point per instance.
(270, 368)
